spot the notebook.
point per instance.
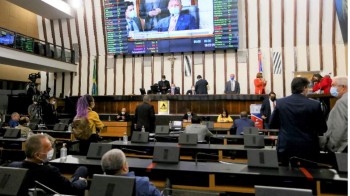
(108, 185)
(165, 154)
(342, 161)
(97, 150)
(271, 191)
(162, 129)
(12, 133)
(253, 141)
(188, 139)
(139, 137)
(250, 130)
(262, 158)
(11, 180)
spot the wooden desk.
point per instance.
(222, 125)
(58, 135)
(115, 128)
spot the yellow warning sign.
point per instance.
(163, 107)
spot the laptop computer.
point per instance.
(188, 139)
(12, 133)
(11, 180)
(107, 185)
(342, 161)
(97, 150)
(262, 158)
(60, 127)
(162, 129)
(176, 125)
(166, 154)
(250, 130)
(139, 137)
(253, 141)
(209, 124)
(271, 191)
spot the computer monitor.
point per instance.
(188, 139)
(262, 158)
(166, 154)
(12, 133)
(253, 141)
(108, 185)
(250, 130)
(97, 150)
(139, 137)
(342, 161)
(271, 191)
(11, 180)
(162, 129)
(176, 125)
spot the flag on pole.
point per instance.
(260, 61)
(94, 80)
(277, 63)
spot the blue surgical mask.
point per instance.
(232, 78)
(174, 11)
(334, 91)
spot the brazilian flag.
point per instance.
(94, 80)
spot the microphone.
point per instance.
(133, 150)
(298, 163)
(46, 187)
(213, 155)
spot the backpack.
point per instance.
(81, 129)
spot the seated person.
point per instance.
(164, 85)
(123, 115)
(114, 162)
(39, 151)
(244, 121)
(177, 21)
(188, 116)
(23, 125)
(224, 117)
(201, 130)
(14, 120)
(173, 90)
(192, 91)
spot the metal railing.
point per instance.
(35, 46)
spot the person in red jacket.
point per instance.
(259, 83)
(322, 84)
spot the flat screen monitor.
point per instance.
(166, 154)
(107, 185)
(271, 191)
(6, 38)
(97, 150)
(11, 180)
(176, 125)
(262, 158)
(201, 25)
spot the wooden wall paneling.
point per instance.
(225, 66)
(182, 73)
(133, 75)
(308, 33)
(162, 64)
(105, 42)
(80, 52)
(246, 25)
(123, 81)
(320, 35)
(115, 76)
(258, 13)
(96, 40)
(152, 69)
(203, 62)
(55, 52)
(143, 72)
(214, 70)
(334, 48)
(295, 36)
(283, 51)
(71, 47)
(86, 30)
(236, 66)
(193, 71)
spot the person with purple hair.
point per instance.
(85, 105)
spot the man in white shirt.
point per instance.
(232, 86)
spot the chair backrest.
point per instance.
(193, 11)
(276, 191)
(112, 185)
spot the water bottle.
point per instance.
(170, 124)
(70, 127)
(125, 138)
(143, 129)
(63, 152)
(109, 118)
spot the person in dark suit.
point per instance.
(267, 108)
(201, 85)
(114, 162)
(132, 21)
(144, 115)
(232, 86)
(152, 11)
(239, 124)
(174, 90)
(123, 115)
(38, 151)
(192, 91)
(299, 120)
(163, 85)
(177, 21)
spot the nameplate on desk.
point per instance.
(166, 154)
(97, 150)
(262, 158)
(139, 137)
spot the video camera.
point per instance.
(33, 76)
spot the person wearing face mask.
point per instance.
(188, 116)
(232, 86)
(152, 11)
(174, 90)
(123, 115)
(300, 121)
(23, 125)
(177, 21)
(38, 151)
(259, 83)
(336, 137)
(132, 21)
(164, 85)
(267, 107)
(192, 91)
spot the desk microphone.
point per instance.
(202, 153)
(133, 150)
(46, 187)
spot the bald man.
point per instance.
(232, 86)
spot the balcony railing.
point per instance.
(35, 46)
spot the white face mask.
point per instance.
(49, 156)
(188, 114)
(123, 113)
(131, 14)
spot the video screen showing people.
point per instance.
(162, 26)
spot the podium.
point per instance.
(115, 128)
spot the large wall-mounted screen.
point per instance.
(164, 26)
